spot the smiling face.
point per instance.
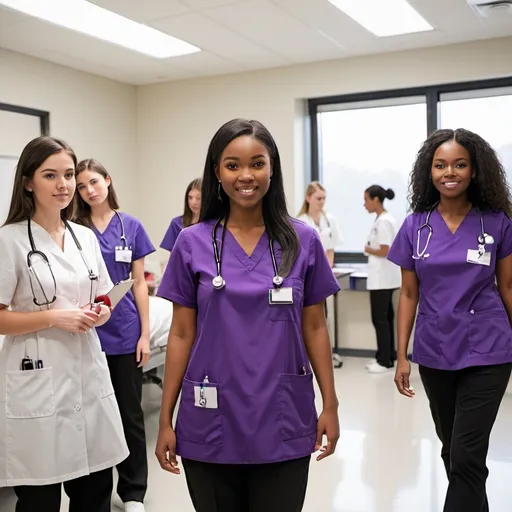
(53, 183)
(451, 170)
(245, 170)
(194, 201)
(316, 201)
(92, 187)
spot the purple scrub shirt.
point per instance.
(121, 333)
(252, 351)
(461, 319)
(172, 233)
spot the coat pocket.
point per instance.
(29, 394)
(199, 425)
(297, 413)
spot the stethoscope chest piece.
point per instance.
(277, 280)
(218, 282)
(485, 238)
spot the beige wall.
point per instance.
(96, 116)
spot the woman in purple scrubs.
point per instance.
(189, 217)
(248, 283)
(455, 252)
(125, 339)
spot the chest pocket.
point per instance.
(289, 312)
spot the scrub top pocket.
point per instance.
(296, 399)
(29, 394)
(289, 312)
(490, 332)
(197, 424)
(427, 342)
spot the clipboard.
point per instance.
(118, 291)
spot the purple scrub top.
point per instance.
(252, 351)
(461, 319)
(121, 333)
(172, 233)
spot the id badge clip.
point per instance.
(205, 395)
(280, 296)
(123, 255)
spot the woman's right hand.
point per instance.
(74, 320)
(166, 450)
(402, 376)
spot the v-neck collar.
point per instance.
(107, 227)
(249, 262)
(448, 230)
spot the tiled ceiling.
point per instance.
(238, 35)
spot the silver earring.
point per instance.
(219, 195)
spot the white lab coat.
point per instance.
(328, 230)
(60, 422)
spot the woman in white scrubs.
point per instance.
(383, 277)
(312, 213)
(59, 418)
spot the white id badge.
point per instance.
(280, 296)
(205, 397)
(123, 255)
(477, 258)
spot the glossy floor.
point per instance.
(387, 458)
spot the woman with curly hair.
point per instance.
(455, 252)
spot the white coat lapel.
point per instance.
(45, 243)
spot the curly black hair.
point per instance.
(489, 191)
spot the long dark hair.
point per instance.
(380, 192)
(32, 157)
(188, 215)
(275, 212)
(83, 210)
(488, 191)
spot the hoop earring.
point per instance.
(219, 195)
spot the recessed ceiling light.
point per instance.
(384, 17)
(92, 20)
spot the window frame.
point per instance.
(432, 95)
(43, 115)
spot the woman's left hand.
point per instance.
(328, 425)
(143, 351)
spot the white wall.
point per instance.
(96, 116)
(176, 120)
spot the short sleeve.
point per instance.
(171, 234)
(385, 233)
(504, 249)
(178, 282)
(142, 246)
(320, 282)
(8, 276)
(104, 281)
(401, 252)
(337, 239)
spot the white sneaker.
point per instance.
(370, 363)
(377, 368)
(134, 506)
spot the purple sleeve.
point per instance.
(178, 282)
(142, 246)
(171, 234)
(320, 282)
(504, 248)
(401, 251)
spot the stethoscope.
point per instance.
(123, 234)
(218, 281)
(326, 221)
(35, 252)
(483, 237)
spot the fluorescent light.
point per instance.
(384, 17)
(95, 21)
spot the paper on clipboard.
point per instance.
(119, 291)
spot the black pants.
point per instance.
(127, 383)
(464, 405)
(278, 487)
(383, 317)
(86, 494)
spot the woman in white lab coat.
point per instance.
(59, 419)
(383, 277)
(326, 225)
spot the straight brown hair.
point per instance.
(32, 157)
(82, 209)
(188, 215)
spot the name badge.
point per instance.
(478, 258)
(280, 296)
(205, 397)
(123, 255)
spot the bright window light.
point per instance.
(384, 17)
(95, 21)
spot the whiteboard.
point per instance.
(7, 171)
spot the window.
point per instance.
(373, 138)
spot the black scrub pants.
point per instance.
(276, 487)
(86, 494)
(464, 406)
(127, 383)
(383, 319)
